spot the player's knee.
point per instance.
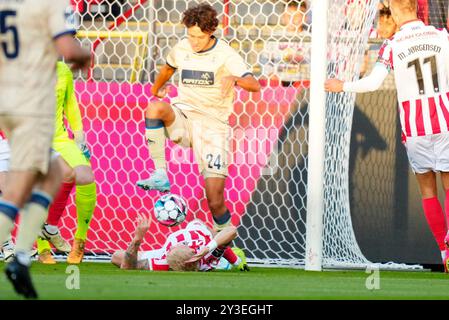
(68, 175)
(84, 175)
(157, 110)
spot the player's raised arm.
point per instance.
(63, 29)
(165, 73)
(72, 52)
(367, 84)
(373, 81)
(247, 82)
(240, 75)
(130, 259)
(221, 239)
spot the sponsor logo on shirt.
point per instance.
(198, 78)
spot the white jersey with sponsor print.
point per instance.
(28, 54)
(419, 56)
(196, 236)
(200, 75)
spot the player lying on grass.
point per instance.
(74, 158)
(194, 248)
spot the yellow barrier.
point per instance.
(141, 48)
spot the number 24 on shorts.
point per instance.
(214, 161)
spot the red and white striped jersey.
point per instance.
(195, 235)
(419, 56)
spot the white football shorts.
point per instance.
(428, 153)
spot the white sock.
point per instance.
(23, 257)
(238, 261)
(443, 255)
(156, 145)
(51, 229)
(31, 221)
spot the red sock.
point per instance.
(435, 219)
(57, 207)
(230, 255)
(446, 209)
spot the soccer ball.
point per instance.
(170, 210)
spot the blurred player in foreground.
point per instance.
(194, 248)
(37, 34)
(74, 159)
(209, 70)
(419, 56)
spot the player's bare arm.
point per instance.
(249, 83)
(130, 259)
(222, 238)
(165, 73)
(72, 52)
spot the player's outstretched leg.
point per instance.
(216, 202)
(157, 116)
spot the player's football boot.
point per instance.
(243, 266)
(8, 250)
(46, 257)
(77, 253)
(19, 275)
(157, 181)
(56, 240)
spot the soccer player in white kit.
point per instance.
(209, 70)
(419, 56)
(33, 35)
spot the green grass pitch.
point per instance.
(105, 281)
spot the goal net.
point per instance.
(267, 183)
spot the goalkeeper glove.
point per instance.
(80, 141)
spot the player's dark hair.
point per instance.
(385, 11)
(204, 16)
